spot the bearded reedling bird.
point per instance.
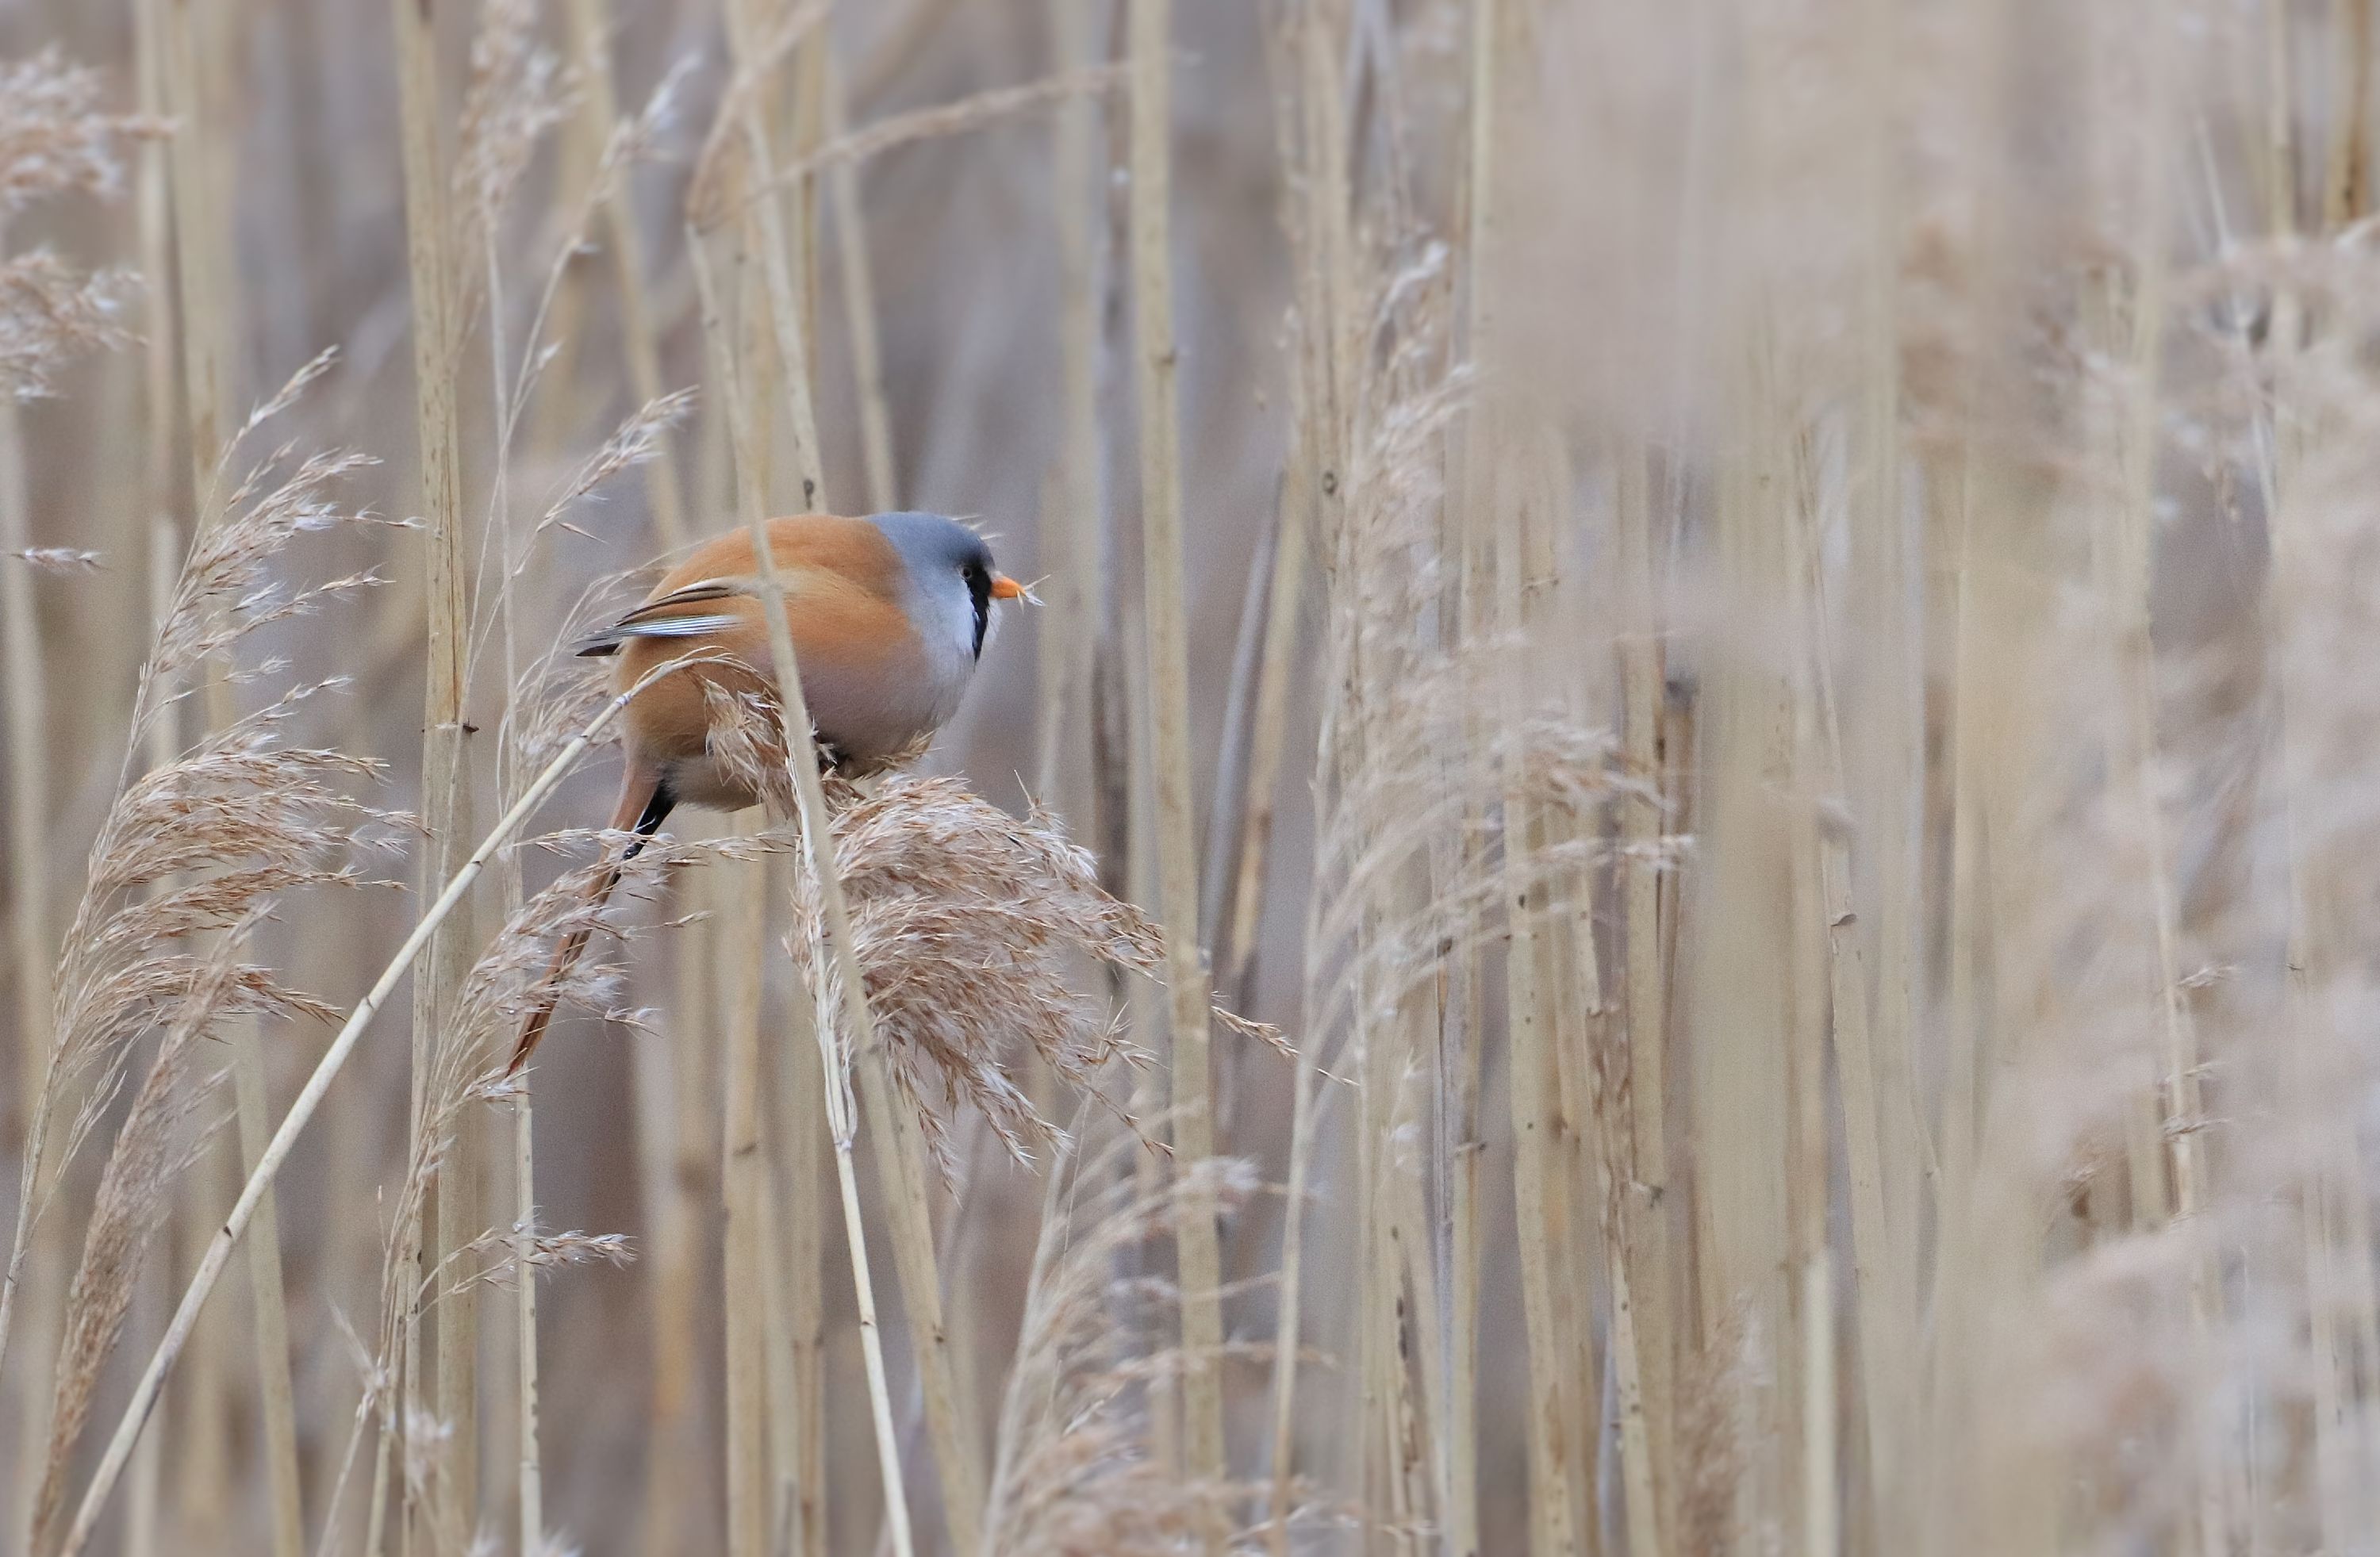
(889, 616)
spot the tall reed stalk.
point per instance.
(433, 271)
(1166, 697)
(206, 311)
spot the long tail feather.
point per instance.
(645, 802)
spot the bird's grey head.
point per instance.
(951, 568)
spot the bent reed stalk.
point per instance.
(301, 1112)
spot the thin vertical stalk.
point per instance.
(1739, 913)
(2347, 170)
(205, 315)
(673, 1091)
(816, 826)
(445, 794)
(1292, 1264)
(1495, 517)
(1148, 1017)
(1166, 699)
(1376, 1057)
(859, 295)
(639, 336)
(1069, 528)
(785, 312)
(29, 932)
(898, 1143)
(31, 943)
(1645, 984)
(1228, 805)
(1841, 991)
(531, 1470)
(2280, 162)
(744, 1169)
(1873, 1062)
(801, 1131)
(1235, 930)
(786, 1447)
(143, 1519)
(1539, 1206)
(1610, 1124)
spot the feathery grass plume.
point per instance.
(1076, 1474)
(519, 89)
(966, 921)
(51, 313)
(635, 441)
(60, 559)
(245, 817)
(54, 134)
(1411, 808)
(240, 821)
(55, 138)
(154, 1148)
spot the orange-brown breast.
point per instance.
(860, 659)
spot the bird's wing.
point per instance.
(672, 616)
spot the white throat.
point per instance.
(944, 615)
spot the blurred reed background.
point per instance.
(1749, 622)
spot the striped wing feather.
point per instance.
(668, 616)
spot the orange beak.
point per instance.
(1006, 588)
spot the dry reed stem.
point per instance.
(204, 316)
(531, 1476)
(811, 802)
(32, 935)
(1284, 599)
(434, 274)
(29, 912)
(639, 336)
(164, 569)
(858, 288)
(784, 1450)
(1743, 953)
(1881, 778)
(756, 59)
(1534, 1126)
(894, 1131)
(1066, 631)
(1227, 808)
(1495, 515)
(1841, 996)
(744, 1176)
(801, 1132)
(674, 1132)
(953, 118)
(1166, 698)
(1293, 1243)
(1317, 479)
